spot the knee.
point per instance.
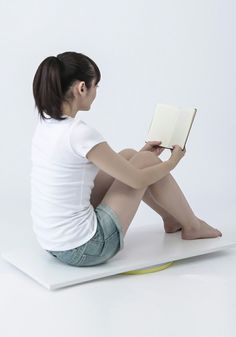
(143, 156)
(150, 156)
(128, 153)
(146, 158)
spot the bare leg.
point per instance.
(171, 225)
(166, 198)
(169, 196)
(103, 182)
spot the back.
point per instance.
(61, 182)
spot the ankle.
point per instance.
(192, 224)
(167, 217)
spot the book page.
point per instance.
(171, 125)
(181, 128)
(163, 124)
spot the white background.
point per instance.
(179, 52)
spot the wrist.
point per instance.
(171, 164)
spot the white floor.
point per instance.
(145, 247)
(193, 297)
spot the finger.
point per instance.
(155, 142)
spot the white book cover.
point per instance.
(171, 125)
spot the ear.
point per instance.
(80, 87)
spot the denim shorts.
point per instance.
(106, 242)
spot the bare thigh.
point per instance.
(103, 180)
(123, 199)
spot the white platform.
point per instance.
(146, 246)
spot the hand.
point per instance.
(177, 154)
(152, 146)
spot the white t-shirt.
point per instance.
(61, 182)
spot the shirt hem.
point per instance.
(74, 245)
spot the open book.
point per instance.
(171, 125)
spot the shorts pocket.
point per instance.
(71, 257)
(91, 260)
(110, 248)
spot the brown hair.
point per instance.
(54, 77)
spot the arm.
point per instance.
(104, 157)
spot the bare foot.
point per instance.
(201, 230)
(171, 225)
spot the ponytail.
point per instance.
(47, 87)
(54, 77)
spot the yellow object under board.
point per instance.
(148, 270)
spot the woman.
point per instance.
(84, 194)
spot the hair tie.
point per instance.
(60, 62)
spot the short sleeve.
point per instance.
(83, 138)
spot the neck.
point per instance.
(69, 110)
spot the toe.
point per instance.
(220, 234)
